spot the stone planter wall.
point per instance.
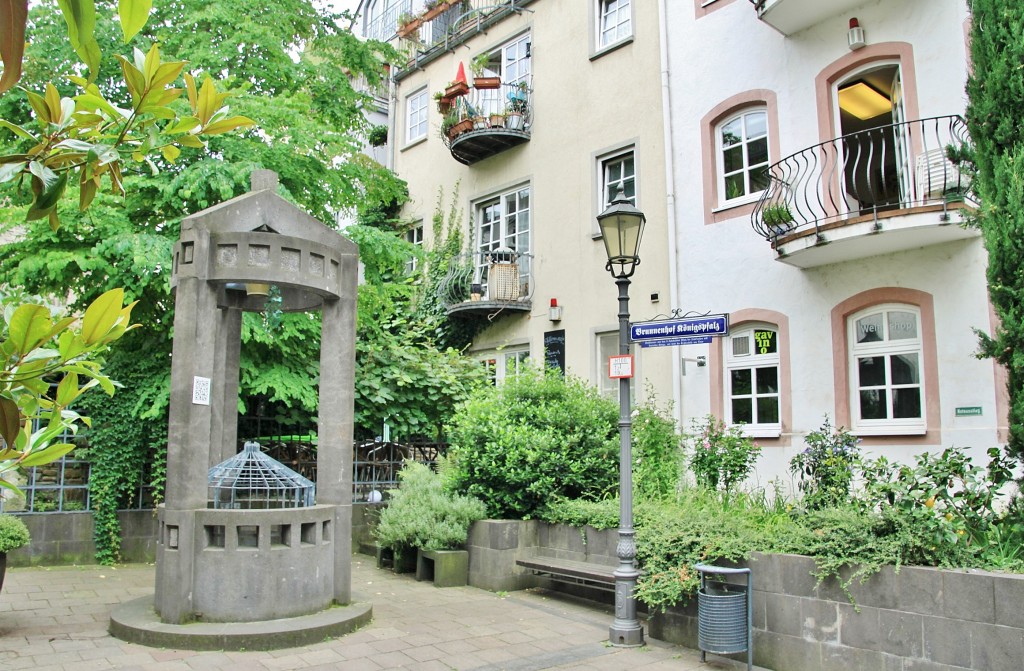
(67, 538)
(919, 619)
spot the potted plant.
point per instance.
(13, 535)
(425, 521)
(497, 120)
(443, 103)
(456, 88)
(479, 120)
(479, 66)
(408, 24)
(435, 8)
(778, 218)
(516, 108)
(378, 136)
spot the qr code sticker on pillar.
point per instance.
(201, 390)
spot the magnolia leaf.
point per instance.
(183, 125)
(167, 73)
(225, 125)
(67, 390)
(28, 328)
(80, 15)
(9, 171)
(134, 14)
(133, 79)
(86, 192)
(52, 98)
(14, 128)
(70, 345)
(45, 175)
(92, 101)
(101, 316)
(39, 107)
(170, 152)
(157, 111)
(77, 145)
(4, 483)
(46, 455)
(46, 201)
(41, 353)
(193, 97)
(10, 419)
(191, 141)
(13, 16)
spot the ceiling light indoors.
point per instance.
(863, 100)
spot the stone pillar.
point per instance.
(224, 434)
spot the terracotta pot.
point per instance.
(486, 82)
(407, 29)
(456, 89)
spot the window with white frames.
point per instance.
(614, 22)
(504, 222)
(414, 237)
(503, 364)
(618, 171)
(742, 155)
(887, 386)
(416, 116)
(752, 380)
(512, 63)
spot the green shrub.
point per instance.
(657, 451)
(534, 439)
(720, 457)
(13, 533)
(825, 467)
(422, 515)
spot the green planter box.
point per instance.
(399, 562)
(446, 568)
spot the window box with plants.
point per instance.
(456, 88)
(408, 24)
(778, 218)
(480, 78)
(435, 8)
(13, 535)
(425, 522)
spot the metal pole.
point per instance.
(625, 630)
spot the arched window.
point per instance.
(886, 365)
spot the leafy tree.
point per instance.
(995, 89)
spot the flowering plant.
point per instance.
(825, 467)
(721, 456)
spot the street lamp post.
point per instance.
(622, 226)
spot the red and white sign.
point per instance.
(620, 366)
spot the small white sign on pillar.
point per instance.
(200, 390)
(620, 366)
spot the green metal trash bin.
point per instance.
(724, 613)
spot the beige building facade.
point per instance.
(576, 115)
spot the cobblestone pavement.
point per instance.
(55, 619)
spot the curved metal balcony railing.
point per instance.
(863, 174)
(488, 280)
(485, 122)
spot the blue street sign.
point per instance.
(681, 331)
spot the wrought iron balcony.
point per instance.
(876, 191)
(792, 16)
(484, 283)
(485, 122)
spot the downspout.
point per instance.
(670, 199)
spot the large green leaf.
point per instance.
(10, 419)
(80, 15)
(29, 327)
(13, 15)
(101, 316)
(134, 14)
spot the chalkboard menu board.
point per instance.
(554, 349)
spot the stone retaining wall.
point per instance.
(67, 538)
(917, 619)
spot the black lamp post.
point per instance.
(622, 225)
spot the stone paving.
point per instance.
(55, 619)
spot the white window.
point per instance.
(887, 387)
(752, 380)
(742, 155)
(504, 364)
(503, 223)
(415, 237)
(614, 22)
(617, 172)
(416, 116)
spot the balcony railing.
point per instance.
(485, 282)
(865, 175)
(485, 122)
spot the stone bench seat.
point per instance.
(597, 576)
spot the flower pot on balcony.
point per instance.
(410, 27)
(479, 122)
(486, 82)
(514, 121)
(460, 128)
(497, 120)
(437, 10)
(456, 89)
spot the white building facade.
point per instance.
(851, 285)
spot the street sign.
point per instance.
(969, 411)
(684, 331)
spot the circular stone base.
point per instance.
(136, 622)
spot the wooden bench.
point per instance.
(597, 576)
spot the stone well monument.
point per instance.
(240, 564)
